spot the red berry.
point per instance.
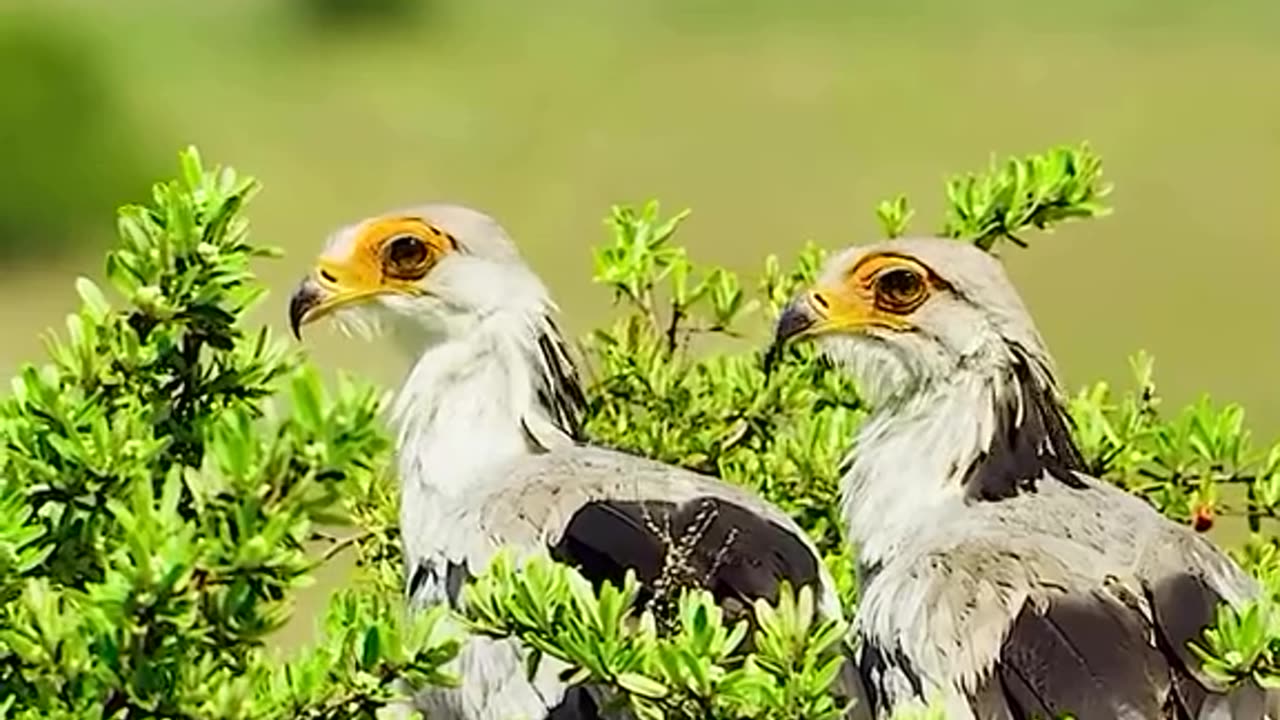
(1202, 518)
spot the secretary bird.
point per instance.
(491, 453)
(996, 575)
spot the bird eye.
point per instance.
(406, 255)
(900, 290)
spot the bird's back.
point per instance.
(607, 512)
(595, 500)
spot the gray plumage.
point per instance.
(997, 575)
(490, 454)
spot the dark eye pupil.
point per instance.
(900, 283)
(406, 250)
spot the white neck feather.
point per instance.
(904, 477)
(461, 414)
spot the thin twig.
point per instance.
(321, 535)
(342, 544)
(1015, 239)
(677, 314)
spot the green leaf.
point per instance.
(642, 685)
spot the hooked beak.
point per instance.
(314, 299)
(797, 318)
(800, 317)
(825, 309)
(306, 305)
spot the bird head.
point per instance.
(439, 269)
(911, 312)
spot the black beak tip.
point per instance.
(794, 320)
(295, 319)
(299, 305)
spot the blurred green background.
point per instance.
(776, 121)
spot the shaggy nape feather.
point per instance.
(1031, 437)
(557, 389)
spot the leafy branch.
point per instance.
(694, 671)
(156, 499)
(1036, 191)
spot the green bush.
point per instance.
(159, 479)
(160, 476)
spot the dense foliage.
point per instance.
(161, 476)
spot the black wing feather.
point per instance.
(1183, 605)
(1096, 656)
(1088, 655)
(875, 661)
(576, 705)
(604, 539)
(708, 542)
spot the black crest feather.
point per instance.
(1032, 440)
